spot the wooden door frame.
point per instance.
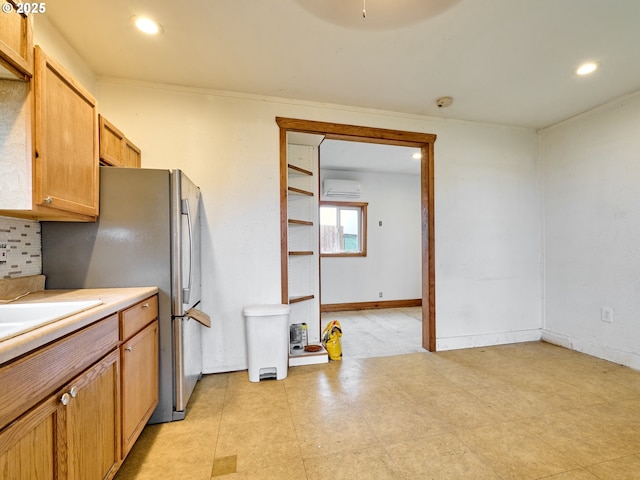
(423, 141)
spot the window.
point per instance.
(343, 229)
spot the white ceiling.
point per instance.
(359, 156)
(503, 61)
(368, 157)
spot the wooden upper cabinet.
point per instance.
(66, 165)
(132, 155)
(16, 43)
(111, 143)
(115, 149)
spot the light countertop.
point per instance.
(113, 300)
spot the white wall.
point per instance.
(487, 225)
(393, 261)
(592, 231)
(488, 237)
(488, 211)
(47, 36)
(487, 207)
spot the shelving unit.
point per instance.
(300, 191)
(301, 299)
(303, 247)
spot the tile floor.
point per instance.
(522, 411)
(379, 333)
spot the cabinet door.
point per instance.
(16, 42)
(66, 141)
(28, 446)
(139, 383)
(132, 155)
(111, 143)
(91, 419)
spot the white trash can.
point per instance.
(267, 341)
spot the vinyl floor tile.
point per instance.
(626, 468)
(370, 464)
(524, 411)
(463, 410)
(286, 471)
(397, 425)
(259, 444)
(442, 457)
(586, 441)
(579, 474)
(515, 452)
(333, 433)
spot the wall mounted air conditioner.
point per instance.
(342, 188)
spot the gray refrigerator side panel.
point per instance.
(186, 242)
(187, 286)
(132, 249)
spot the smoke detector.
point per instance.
(444, 102)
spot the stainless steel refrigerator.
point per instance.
(147, 234)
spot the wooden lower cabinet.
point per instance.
(90, 421)
(71, 435)
(82, 425)
(28, 446)
(139, 383)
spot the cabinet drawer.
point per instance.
(27, 380)
(135, 318)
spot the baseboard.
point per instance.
(487, 339)
(343, 307)
(224, 369)
(621, 357)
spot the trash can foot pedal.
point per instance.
(270, 373)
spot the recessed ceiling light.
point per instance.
(587, 68)
(147, 25)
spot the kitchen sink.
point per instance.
(17, 318)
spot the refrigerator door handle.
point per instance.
(186, 292)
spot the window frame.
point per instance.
(362, 206)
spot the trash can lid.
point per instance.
(266, 310)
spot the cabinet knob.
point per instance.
(47, 199)
(73, 391)
(65, 399)
(129, 348)
(145, 305)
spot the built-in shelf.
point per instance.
(300, 245)
(301, 298)
(299, 191)
(300, 222)
(299, 170)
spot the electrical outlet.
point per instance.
(606, 314)
(3, 253)
(380, 294)
(380, 223)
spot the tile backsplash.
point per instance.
(23, 246)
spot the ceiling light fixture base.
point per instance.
(444, 102)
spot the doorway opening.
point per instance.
(422, 141)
